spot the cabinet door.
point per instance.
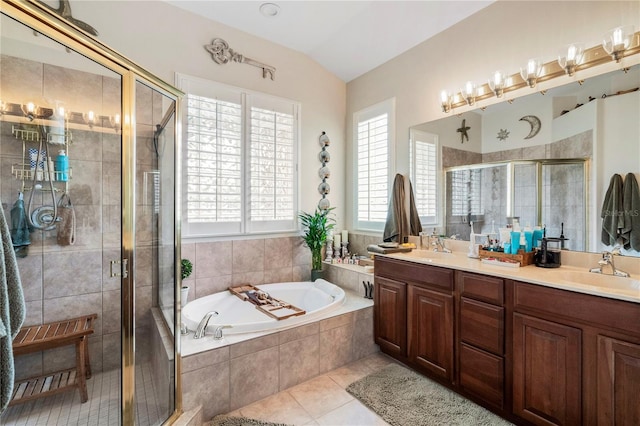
(431, 331)
(618, 382)
(546, 371)
(390, 316)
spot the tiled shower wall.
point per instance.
(64, 282)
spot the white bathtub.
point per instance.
(317, 298)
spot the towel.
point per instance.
(612, 212)
(630, 232)
(401, 222)
(20, 228)
(12, 310)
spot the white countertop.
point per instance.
(570, 278)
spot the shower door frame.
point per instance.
(41, 19)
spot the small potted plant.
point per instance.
(186, 268)
(316, 227)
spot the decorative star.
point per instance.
(463, 131)
(503, 134)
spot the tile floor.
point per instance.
(102, 408)
(321, 400)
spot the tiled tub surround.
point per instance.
(224, 376)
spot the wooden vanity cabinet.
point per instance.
(481, 337)
(413, 315)
(576, 358)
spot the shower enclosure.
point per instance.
(89, 141)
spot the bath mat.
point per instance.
(223, 420)
(402, 397)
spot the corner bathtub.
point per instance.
(317, 298)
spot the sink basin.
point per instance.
(600, 280)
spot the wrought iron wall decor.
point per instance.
(64, 11)
(222, 54)
(324, 172)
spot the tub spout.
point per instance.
(202, 327)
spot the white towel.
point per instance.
(12, 310)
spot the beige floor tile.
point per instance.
(348, 374)
(377, 361)
(312, 423)
(278, 408)
(320, 395)
(351, 414)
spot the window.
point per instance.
(373, 136)
(241, 156)
(466, 192)
(424, 164)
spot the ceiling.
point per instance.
(348, 38)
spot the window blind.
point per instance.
(466, 192)
(373, 168)
(424, 175)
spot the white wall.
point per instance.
(164, 40)
(502, 36)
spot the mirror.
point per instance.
(546, 158)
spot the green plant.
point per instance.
(186, 268)
(316, 227)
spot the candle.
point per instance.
(345, 236)
(336, 240)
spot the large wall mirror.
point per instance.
(545, 158)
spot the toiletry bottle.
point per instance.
(51, 169)
(62, 166)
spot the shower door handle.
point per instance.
(122, 269)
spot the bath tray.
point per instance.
(273, 307)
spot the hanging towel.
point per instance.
(20, 228)
(66, 227)
(12, 310)
(400, 221)
(631, 206)
(612, 212)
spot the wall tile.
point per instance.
(62, 308)
(248, 256)
(111, 351)
(300, 252)
(301, 273)
(72, 273)
(30, 269)
(207, 387)
(213, 259)
(299, 361)
(281, 275)
(21, 79)
(111, 312)
(299, 332)
(336, 347)
(337, 321)
(253, 377)
(207, 286)
(205, 359)
(278, 253)
(254, 278)
(253, 345)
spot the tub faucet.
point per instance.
(217, 332)
(607, 262)
(202, 327)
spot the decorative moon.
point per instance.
(535, 125)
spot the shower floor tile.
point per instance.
(102, 408)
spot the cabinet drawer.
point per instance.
(482, 374)
(482, 325)
(403, 270)
(481, 287)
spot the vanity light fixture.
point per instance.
(497, 83)
(115, 123)
(33, 111)
(469, 92)
(531, 72)
(570, 57)
(90, 119)
(616, 41)
(446, 99)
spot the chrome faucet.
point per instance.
(438, 245)
(217, 332)
(202, 327)
(607, 262)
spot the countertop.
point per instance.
(571, 278)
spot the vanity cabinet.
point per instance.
(481, 337)
(536, 355)
(413, 315)
(390, 316)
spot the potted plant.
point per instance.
(186, 268)
(316, 227)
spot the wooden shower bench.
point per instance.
(37, 338)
